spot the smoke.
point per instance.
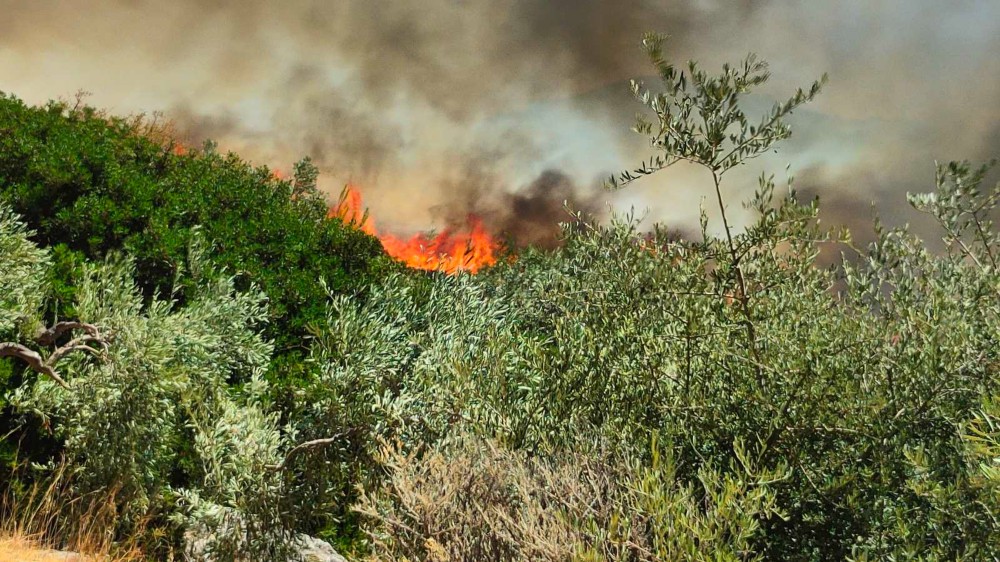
(527, 216)
(911, 83)
(509, 108)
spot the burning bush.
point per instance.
(448, 251)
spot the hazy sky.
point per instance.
(440, 107)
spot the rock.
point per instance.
(308, 549)
(63, 556)
(316, 550)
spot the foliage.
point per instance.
(97, 184)
(22, 277)
(23, 286)
(125, 416)
(861, 393)
(469, 499)
(90, 185)
(700, 119)
(796, 411)
(387, 369)
(859, 379)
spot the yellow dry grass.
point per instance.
(50, 515)
(21, 549)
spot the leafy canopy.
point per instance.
(91, 185)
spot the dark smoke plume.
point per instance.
(508, 108)
(529, 216)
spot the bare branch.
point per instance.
(33, 359)
(306, 445)
(50, 336)
(79, 343)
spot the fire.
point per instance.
(349, 210)
(468, 250)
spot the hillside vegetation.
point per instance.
(625, 396)
(88, 185)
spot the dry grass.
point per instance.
(472, 500)
(49, 517)
(22, 549)
(479, 501)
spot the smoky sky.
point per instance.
(509, 108)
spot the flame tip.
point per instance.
(448, 252)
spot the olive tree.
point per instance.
(138, 394)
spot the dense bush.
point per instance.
(22, 278)
(90, 185)
(93, 184)
(144, 409)
(865, 395)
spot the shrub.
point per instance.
(144, 411)
(92, 186)
(96, 184)
(469, 499)
(613, 337)
(22, 279)
(797, 411)
(23, 286)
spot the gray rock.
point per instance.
(306, 548)
(316, 550)
(61, 556)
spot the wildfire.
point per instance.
(450, 251)
(468, 250)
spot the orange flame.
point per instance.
(469, 250)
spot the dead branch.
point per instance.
(306, 445)
(92, 335)
(33, 359)
(50, 336)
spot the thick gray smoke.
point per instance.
(508, 108)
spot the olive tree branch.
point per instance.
(89, 342)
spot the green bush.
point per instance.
(22, 277)
(862, 392)
(93, 184)
(137, 393)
